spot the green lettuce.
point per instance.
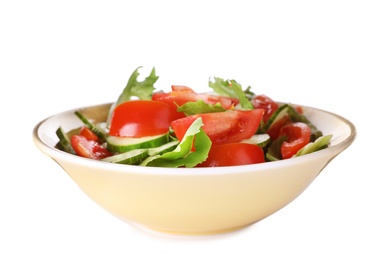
(199, 107)
(231, 89)
(183, 154)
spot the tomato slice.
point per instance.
(166, 98)
(298, 135)
(89, 148)
(266, 103)
(223, 127)
(139, 118)
(183, 94)
(234, 154)
(87, 133)
(275, 129)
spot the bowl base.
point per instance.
(165, 232)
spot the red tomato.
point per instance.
(266, 103)
(223, 127)
(87, 133)
(89, 148)
(274, 130)
(138, 118)
(166, 98)
(234, 154)
(298, 135)
(182, 94)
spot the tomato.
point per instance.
(182, 94)
(298, 135)
(234, 154)
(87, 133)
(166, 98)
(266, 103)
(138, 118)
(89, 148)
(274, 130)
(223, 127)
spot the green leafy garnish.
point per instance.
(183, 155)
(231, 89)
(141, 89)
(200, 107)
(274, 151)
(222, 87)
(134, 88)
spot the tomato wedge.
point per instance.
(223, 127)
(234, 154)
(138, 118)
(266, 103)
(298, 135)
(183, 94)
(274, 130)
(87, 133)
(89, 148)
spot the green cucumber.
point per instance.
(133, 157)
(259, 139)
(96, 130)
(64, 141)
(319, 144)
(276, 116)
(124, 144)
(163, 148)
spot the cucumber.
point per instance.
(99, 133)
(259, 139)
(64, 141)
(163, 148)
(133, 157)
(124, 144)
(278, 114)
(319, 144)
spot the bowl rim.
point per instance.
(57, 154)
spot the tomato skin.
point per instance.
(266, 103)
(298, 135)
(234, 154)
(223, 127)
(89, 148)
(87, 133)
(183, 94)
(275, 129)
(138, 118)
(166, 98)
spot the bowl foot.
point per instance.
(166, 232)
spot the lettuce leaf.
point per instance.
(231, 89)
(141, 89)
(199, 107)
(134, 88)
(183, 155)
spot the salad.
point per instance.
(182, 128)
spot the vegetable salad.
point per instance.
(183, 128)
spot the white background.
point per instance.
(59, 55)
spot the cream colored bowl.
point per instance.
(193, 200)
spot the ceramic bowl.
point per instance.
(193, 201)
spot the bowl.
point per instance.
(193, 201)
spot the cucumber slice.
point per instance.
(319, 144)
(124, 144)
(277, 115)
(99, 133)
(259, 139)
(133, 157)
(163, 148)
(64, 141)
